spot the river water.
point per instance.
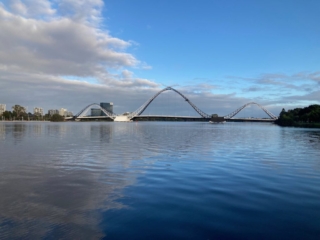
(158, 180)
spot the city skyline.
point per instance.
(37, 110)
(221, 55)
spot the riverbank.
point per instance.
(22, 121)
(299, 124)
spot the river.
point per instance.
(158, 180)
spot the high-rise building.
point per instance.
(38, 111)
(2, 108)
(96, 112)
(53, 111)
(106, 106)
(63, 111)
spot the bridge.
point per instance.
(136, 115)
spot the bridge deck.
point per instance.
(250, 120)
(172, 118)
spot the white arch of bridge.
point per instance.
(234, 113)
(141, 109)
(85, 110)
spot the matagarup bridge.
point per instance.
(137, 113)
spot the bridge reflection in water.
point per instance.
(136, 115)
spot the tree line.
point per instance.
(300, 117)
(19, 113)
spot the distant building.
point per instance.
(2, 108)
(63, 112)
(106, 106)
(96, 112)
(38, 111)
(53, 111)
(69, 114)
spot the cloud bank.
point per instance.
(36, 39)
(50, 48)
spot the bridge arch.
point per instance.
(234, 113)
(85, 110)
(141, 109)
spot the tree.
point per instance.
(37, 116)
(47, 117)
(298, 116)
(57, 118)
(18, 110)
(7, 115)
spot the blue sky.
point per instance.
(225, 53)
(224, 43)
(189, 40)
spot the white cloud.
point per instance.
(275, 86)
(60, 46)
(85, 11)
(32, 8)
(19, 8)
(127, 74)
(38, 40)
(42, 48)
(55, 92)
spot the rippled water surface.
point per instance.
(158, 181)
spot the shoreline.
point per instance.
(300, 125)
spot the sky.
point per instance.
(220, 54)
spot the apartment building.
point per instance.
(2, 108)
(38, 111)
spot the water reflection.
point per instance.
(314, 138)
(37, 129)
(51, 201)
(58, 192)
(2, 131)
(63, 176)
(101, 133)
(58, 129)
(18, 131)
(57, 184)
